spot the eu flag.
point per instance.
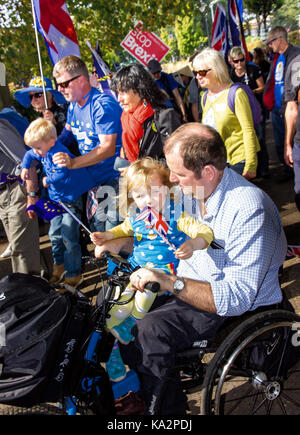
(7, 178)
(47, 209)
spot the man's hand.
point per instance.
(62, 160)
(288, 155)
(142, 276)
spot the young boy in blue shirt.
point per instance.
(63, 185)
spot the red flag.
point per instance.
(236, 27)
(219, 37)
(55, 25)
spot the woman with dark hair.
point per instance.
(146, 121)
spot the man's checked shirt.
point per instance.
(246, 224)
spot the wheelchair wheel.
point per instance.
(256, 369)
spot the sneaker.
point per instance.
(115, 367)
(73, 281)
(123, 331)
(57, 274)
(6, 253)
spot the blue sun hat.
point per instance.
(36, 85)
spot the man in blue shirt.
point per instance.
(94, 119)
(273, 97)
(237, 273)
(169, 85)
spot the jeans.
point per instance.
(279, 131)
(107, 213)
(262, 155)
(64, 237)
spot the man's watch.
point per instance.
(33, 194)
(178, 286)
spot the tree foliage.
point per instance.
(263, 8)
(102, 20)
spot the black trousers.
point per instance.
(171, 326)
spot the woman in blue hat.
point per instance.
(56, 108)
(33, 95)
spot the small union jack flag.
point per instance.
(157, 222)
(91, 203)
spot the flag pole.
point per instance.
(75, 217)
(39, 54)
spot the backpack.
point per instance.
(157, 128)
(254, 104)
(40, 333)
(12, 149)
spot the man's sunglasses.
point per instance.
(272, 40)
(36, 95)
(201, 72)
(238, 60)
(65, 84)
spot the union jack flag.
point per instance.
(157, 222)
(293, 251)
(219, 37)
(55, 25)
(236, 27)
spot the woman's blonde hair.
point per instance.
(40, 130)
(138, 174)
(215, 61)
(236, 51)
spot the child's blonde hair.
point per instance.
(138, 174)
(40, 130)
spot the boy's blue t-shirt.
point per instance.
(279, 80)
(64, 184)
(101, 115)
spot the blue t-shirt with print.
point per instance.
(279, 80)
(150, 250)
(101, 115)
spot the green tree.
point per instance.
(262, 9)
(287, 15)
(106, 21)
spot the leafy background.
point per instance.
(178, 22)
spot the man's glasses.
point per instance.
(242, 59)
(272, 40)
(202, 72)
(36, 95)
(65, 84)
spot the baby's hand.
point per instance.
(98, 238)
(25, 174)
(187, 248)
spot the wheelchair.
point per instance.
(251, 367)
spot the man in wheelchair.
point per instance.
(236, 274)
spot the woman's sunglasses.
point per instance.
(238, 60)
(36, 95)
(201, 72)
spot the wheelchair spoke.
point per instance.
(255, 371)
